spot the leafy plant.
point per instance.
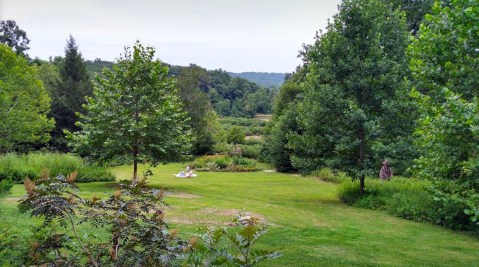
(132, 217)
(231, 246)
(5, 186)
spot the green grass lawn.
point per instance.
(309, 224)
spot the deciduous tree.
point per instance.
(135, 114)
(355, 102)
(13, 36)
(24, 103)
(445, 65)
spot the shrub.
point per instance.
(251, 151)
(224, 163)
(129, 242)
(5, 186)
(244, 162)
(235, 136)
(231, 246)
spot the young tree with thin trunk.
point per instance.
(135, 114)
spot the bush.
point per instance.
(235, 135)
(231, 246)
(251, 151)
(129, 243)
(5, 186)
(224, 163)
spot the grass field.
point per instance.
(309, 224)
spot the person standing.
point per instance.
(385, 173)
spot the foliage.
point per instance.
(235, 135)
(443, 203)
(92, 173)
(132, 217)
(135, 114)
(17, 167)
(5, 186)
(445, 54)
(192, 84)
(24, 104)
(225, 163)
(12, 246)
(284, 123)
(229, 96)
(445, 65)
(13, 36)
(69, 95)
(231, 246)
(277, 151)
(356, 110)
(251, 150)
(329, 175)
(415, 11)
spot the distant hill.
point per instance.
(265, 79)
(229, 95)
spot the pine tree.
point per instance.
(69, 95)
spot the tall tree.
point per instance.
(69, 95)
(284, 123)
(355, 107)
(13, 36)
(445, 65)
(135, 114)
(193, 84)
(24, 104)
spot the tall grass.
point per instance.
(407, 198)
(17, 167)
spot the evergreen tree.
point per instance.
(69, 95)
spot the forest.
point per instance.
(388, 84)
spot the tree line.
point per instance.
(68, 80)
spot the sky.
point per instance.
(233, 35)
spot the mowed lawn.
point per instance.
(308, 222)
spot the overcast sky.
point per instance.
(234, 35)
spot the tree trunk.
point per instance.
(361, 184)
(134, 181)
(361, 159)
